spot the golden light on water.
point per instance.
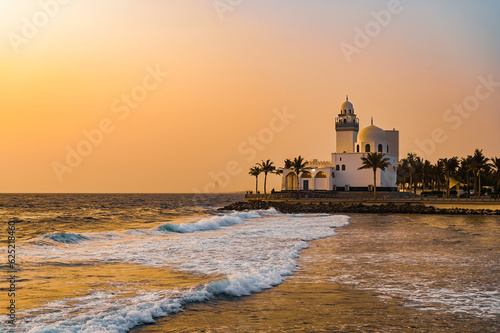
(71, 281)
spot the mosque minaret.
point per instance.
(347, 127)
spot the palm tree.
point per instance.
(479, 163)
(266, 167)
(288, 165)
(418, 170)
(438, 173)
(375, 161)
(495, 163)
(426, 173)
(411, 161)
(450, 168)
(403, 171)
(464, 170)
(255, 171)
(298, 165)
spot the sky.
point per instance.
(185, 96)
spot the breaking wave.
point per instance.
(246, 251)
(213, 223)
(66, 237)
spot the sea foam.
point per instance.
(213, 223)
(251, 251)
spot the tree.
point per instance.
(266, 167)
(288, 165)
(438, 173)
(298, 165)
(479, 163)
(450, 169)
(403, 171)
(375, 161)
(495, 163)
(464, 170)
(426, 173)
(418, 170)
(411, 161)
(255, 171)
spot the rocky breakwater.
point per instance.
(328, 208)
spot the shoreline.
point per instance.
(327, 293)
(355, 207)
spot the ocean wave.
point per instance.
(252, 213)
(205, 224)
(256, 254)
(73, 238)
(270, 211)
(145, 309)
(213, 223)
(66, 237)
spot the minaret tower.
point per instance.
(347, 127)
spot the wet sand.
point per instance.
(42, 284)
(382, 273)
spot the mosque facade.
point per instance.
(341, 172)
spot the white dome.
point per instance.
(346, 106)
(373, 134)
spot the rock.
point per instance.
(330, 208)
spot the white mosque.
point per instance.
(341, 173)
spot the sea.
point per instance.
(175, 263)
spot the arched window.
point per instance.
(367, 148)
(380, 148)
(333, 174)
(357, 148)
(345, 120)
(306, 174)
(337, 167)
(321, 174)
(387, 149)
(343, 166)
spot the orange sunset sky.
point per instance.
(165, 96)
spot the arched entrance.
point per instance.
(291, 182)
(305, 180)
(320, 181)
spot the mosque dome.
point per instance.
(371, 139)
(372, 133)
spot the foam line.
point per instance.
(258, 251)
